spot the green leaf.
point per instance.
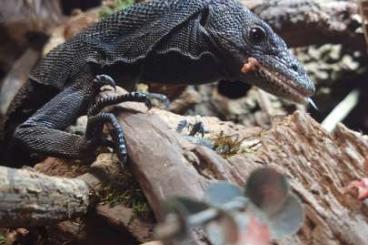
(186, 206)
(289, 219)
(267, 189)
(222, 192)
(2, 239)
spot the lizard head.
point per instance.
(253, 53)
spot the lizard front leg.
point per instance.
(97, 119)
(146, 98)
(43, 131)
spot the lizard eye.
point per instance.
(257, 35)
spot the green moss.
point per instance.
(125, 190)
(108, 9)
(2, 239)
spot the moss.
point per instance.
(113, 5)
(125, 190)
(227, 145)
(2, 239)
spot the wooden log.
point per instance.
(159, 162)
(119, 217)
(318, 163)
(28, 198)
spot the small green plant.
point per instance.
(109, 6)
(125, 190)
(227, 145)
(2, 239)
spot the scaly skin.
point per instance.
(164, 41)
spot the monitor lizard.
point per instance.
(161, 41)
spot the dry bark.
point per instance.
(116, 218)
(31, 199)
(319, 165)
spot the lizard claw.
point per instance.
(160, 97)
(141, 97)
(102, 80)
(148, 103)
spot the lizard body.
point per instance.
(163, 41)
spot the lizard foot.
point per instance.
(160, 97)
(102, 80)
(94, 134)
(116, 99)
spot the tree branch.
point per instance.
(28, 198)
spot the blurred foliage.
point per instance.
(2, 239)
(264, 209)
(110, 6)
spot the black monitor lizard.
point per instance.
(162, 41)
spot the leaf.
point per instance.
(256, 233)
(223, 230)
(289, 219)
(178, 212)
(267, 189)
(222, 192)
(185, 206)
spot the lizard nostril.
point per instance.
(295, 67)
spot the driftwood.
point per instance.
(30, 199)
(319, 165)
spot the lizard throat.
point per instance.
(280, 84)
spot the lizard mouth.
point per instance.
(277, 83)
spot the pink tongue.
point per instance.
(251, 66)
